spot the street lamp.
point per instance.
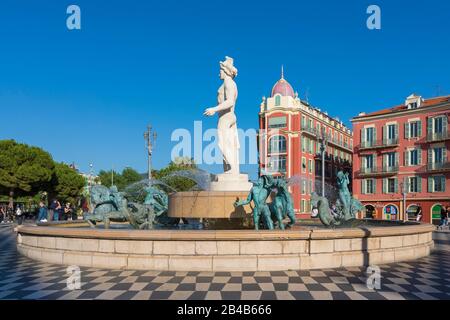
(323, 147)
(150, 141)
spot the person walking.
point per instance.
(42, 216)
(3, 214)
(448, 215)
(19, 215)
(444, 217)
(68, 211)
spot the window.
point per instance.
(308, 145)
(277, 144)
(438, 125)
(311, 147)
(303, 121)
(311, 189)
(277, 164)
(302, 206)
(277, 100)
(368, 162)
(390, 134)
(303, 144)
(390, 212)
(303, 164)
(390, 185)
(277, 122)
(369, 186)
(368, 137)
(413, 129)
(310, 166)
(438, 155)
(311, 123)
(436, 184)
(413, 157)
(391, 160)
(303, 186)
(415, 184)
(413, 105)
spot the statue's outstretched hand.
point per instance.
(237, 204)
(209, 112)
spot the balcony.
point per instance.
(438, 136)
(378, 144)
(438, 167)
(383, 171)
(310, 130)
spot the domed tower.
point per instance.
(282, 87)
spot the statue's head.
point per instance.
(227, 68)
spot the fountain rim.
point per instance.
(217, 235)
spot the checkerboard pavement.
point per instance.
(23, 278)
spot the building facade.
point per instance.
(400, 159)
(289, 145)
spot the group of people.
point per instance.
(56, 212)
(8, 214)
(445, 213)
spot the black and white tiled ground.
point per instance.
(22, 278)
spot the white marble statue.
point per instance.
(228, 139)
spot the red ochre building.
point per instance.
(400, 153)
(289, 144)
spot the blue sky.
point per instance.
(87, 95)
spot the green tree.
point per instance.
(121, 180)
(178, 183)
(67, 183)
(24, 169)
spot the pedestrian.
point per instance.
(58, 211)
(3, 214)
(419, 214)
(19, 215)
(42, 216)
(52, 209)
(444, 217)
(448, 215)
(68, 211)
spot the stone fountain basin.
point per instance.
(208, 204)
(225, 250)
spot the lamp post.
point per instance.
(323, 147)
(404, 186)
(150, 141)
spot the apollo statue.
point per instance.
(228, 139)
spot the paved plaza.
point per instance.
(427, 278)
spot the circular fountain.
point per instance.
(153, 239)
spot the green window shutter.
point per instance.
(444, 154)
(363, 186)
(374, 134)
(430, 156)
(430, 184)
(363, 135)
(407, 130)
(396, 131)
(430, 126)
(397, 161)
(396, 185)
(374, 185)
(419, 156)
(443, 183)
(419, 184)
(444, 124)
(419, 128)
(384, 137)
(407, 158)
(384, 185)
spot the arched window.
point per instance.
(412, 212)
(277, 144)
(390, 212)
(370, 212)
(436, 214)
(277, 100)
